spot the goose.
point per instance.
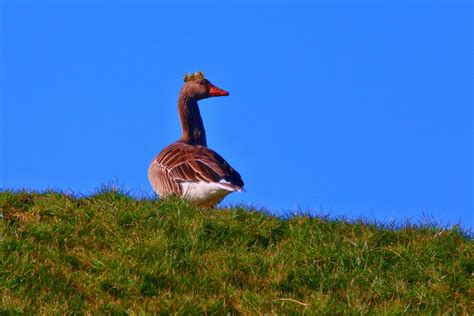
(188, 168)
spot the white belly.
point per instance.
(204, 192)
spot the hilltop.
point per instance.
(112, 253)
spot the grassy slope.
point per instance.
(112, 253)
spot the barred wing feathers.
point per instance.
(183, 163)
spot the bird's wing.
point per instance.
(190, 163)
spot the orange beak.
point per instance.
(217, 92)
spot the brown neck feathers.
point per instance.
(191, 122)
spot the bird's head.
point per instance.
(197, 87)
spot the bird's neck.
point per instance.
(191, 122)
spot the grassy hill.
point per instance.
(111, 253)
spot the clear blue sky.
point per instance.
(356, 109)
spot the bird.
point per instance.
(188, 168)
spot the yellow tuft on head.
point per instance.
(194, 76)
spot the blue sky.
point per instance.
(354, 109)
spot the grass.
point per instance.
(111, 253)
